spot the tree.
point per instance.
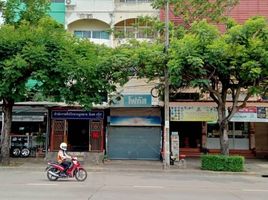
(189, 11)
(225, 63)
(222, 65)
(15, 11)
(65, 68)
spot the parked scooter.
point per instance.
(55, 171)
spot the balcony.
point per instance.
(134, 5)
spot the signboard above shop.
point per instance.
(135, 121)
(133, 100)
(251, 114)
(209, 114)
(76, 114)
(193, 113)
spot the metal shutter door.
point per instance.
(134, 143)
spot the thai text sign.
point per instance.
(65, 114)
(251, 114)
(209, 114)
(193, 113)
(135, 100)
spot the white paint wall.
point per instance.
(85, 13)
(93, 9)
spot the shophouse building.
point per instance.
(132, 126)
(134, 120)
(129, 128)
(193, 118)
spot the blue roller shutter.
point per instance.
(134, 143)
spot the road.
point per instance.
(21, 184)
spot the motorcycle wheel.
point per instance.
(80, 174)
(16, 152)
(25, 152)
(50, 176)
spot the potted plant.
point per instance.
(40, 141)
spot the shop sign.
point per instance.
(193, 113)
(209, 114)
(135, 121)
(64, 114)
(251, 114)
(134, 100)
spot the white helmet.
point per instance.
(63, 146)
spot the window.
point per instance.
(100, 35)
(57, 1)
(236, 130)
(92, 34)
(135, 1)
(82, 34)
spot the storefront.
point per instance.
(82, 130)
(134, 130)
(189, 121)
(195, 122)
(28, 130)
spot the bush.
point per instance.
(222, 163)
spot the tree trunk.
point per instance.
(223, 130)
(224, 140)
(5, 136)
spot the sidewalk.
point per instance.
(256, 167)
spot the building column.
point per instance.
(252, 145)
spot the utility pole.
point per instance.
(166, 160)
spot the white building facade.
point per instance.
(108, 22)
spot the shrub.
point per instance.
(222, 163)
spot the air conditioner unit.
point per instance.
(70, 2)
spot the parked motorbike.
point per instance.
(55, 171)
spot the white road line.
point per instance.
(148, 186)
(41, 184)
(254, 190)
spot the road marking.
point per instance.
(148, 186)
(254, 190)
(41, 184)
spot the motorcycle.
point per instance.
(55, 171)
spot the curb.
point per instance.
(41, 168)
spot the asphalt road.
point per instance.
(21, 184)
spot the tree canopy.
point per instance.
(189, 11)
(15, 11)
(63, 67)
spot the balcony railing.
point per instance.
(132, 32)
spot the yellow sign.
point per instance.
(193, 113)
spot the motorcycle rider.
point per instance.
(63, 157)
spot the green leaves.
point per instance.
(17, 11)
(195, 10)
(237, 59)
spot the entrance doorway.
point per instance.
(78, 135)
(190, 133)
